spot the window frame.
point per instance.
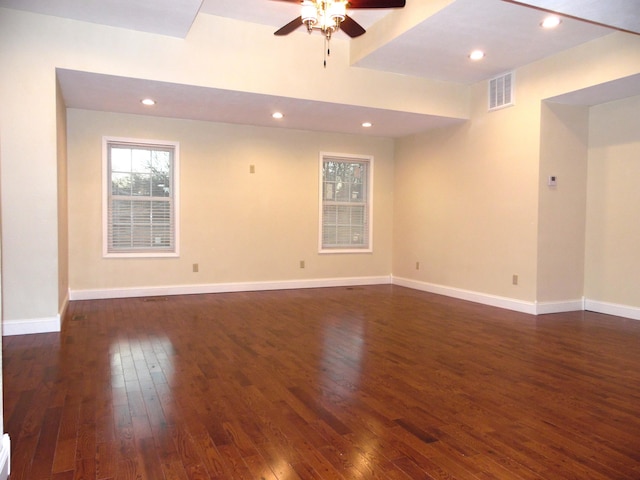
(347, 158)
(107, 142)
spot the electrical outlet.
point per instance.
(301, 263)
(514, 279)
(195, 268)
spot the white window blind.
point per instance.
(141, 198)
(345, 190)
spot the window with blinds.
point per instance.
(141, 195)
(345, 216)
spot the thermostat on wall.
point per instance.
(552, 181)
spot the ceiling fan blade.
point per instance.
(377, 3)
(351, 27)
(289, 27)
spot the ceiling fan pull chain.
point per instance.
(327, 52)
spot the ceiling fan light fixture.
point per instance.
(337, 12)
(329, 16)
(309, 14)
(327, 25)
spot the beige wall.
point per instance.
(31, 48)
(471, 202)
(63, 210)
(466, 201)
(613, 207)
(475, 223)
(562, 208)
(238, 226)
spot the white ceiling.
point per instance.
(119, 94)
(621, 14)
(436, 48)
(166, 17)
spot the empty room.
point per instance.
(282, 239)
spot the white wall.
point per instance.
(5, 441)
(29, 180)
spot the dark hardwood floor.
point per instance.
(376, 382)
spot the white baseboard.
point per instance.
(53, 324)
(32, 325)
(533, 308)
(612, 309)
(560, 306)
(5, 457)
(477, 297)
(98, 294)
(35, 325)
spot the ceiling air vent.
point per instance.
(501, 91)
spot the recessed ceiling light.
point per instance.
(367, 124)
(277, 115)
(551, 21)
(148, 102)
(476, 55)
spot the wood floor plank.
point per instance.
(378, 382)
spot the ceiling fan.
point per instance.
(329, 16)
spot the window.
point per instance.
(140, 208)
(345, 212)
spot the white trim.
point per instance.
(5, 457)
(612, 309)
(478, 297)
(559, 306)
(533, 308)
(225, 287)
(30, 325)
(53, 324)
(36, 325)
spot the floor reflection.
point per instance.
(343, 352)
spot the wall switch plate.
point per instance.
(552, 181)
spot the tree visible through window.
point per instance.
(141, 199)
(346, 197)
